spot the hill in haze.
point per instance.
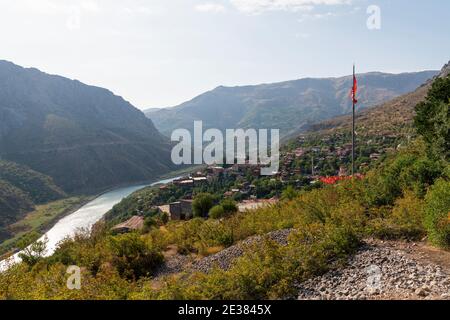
(84, 137)
(291, 106)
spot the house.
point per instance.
(180, 210)
(200, 180)
(133, 224)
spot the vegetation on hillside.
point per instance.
(21, 189)
(39, 187)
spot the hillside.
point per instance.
(380, 131)
(84, 137)
(20, 190)
(13, 203)
(291, 106)
(392, 118)
(39, 187)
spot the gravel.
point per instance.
(379, 272)
(174, 265)
(225, 258)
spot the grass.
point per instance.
(35, 223)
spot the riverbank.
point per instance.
(41, 220)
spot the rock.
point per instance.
(378, 271)
(422, 292)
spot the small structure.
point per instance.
(133, 224)
(181, 210)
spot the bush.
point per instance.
(289, 193)
(229, 206)
(132, 256)
(437, 213)
(267, 269)
(217, 212)
(201, 205)
(404, 221)
(409, 170)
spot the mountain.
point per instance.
(84, 137)
(392, 118)
(291, 106)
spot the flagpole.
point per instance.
(353, 127)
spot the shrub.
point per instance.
(266, 270)
(217, 212)
(437, 213)
(289, 193)
(403, 221)
(202, 203)
(132, 256)
(229, 206)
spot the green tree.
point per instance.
(34, 253)
(433, 118)
(202, 203)
(437, 213)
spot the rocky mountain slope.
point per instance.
(290, 106)
(84, 137)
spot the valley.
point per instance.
(226, 232)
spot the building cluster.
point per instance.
(182, 209)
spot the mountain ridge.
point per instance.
(85, 137)
(273, 105)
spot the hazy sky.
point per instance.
(159, 53)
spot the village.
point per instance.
(309, 162)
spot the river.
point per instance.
(83, 218)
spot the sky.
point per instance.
(160, 53)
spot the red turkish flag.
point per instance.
(354, 89)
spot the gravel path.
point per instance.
(379, 271)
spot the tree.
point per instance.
(437, 213)
(433, 119)
(34, 253)
(202, 203)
